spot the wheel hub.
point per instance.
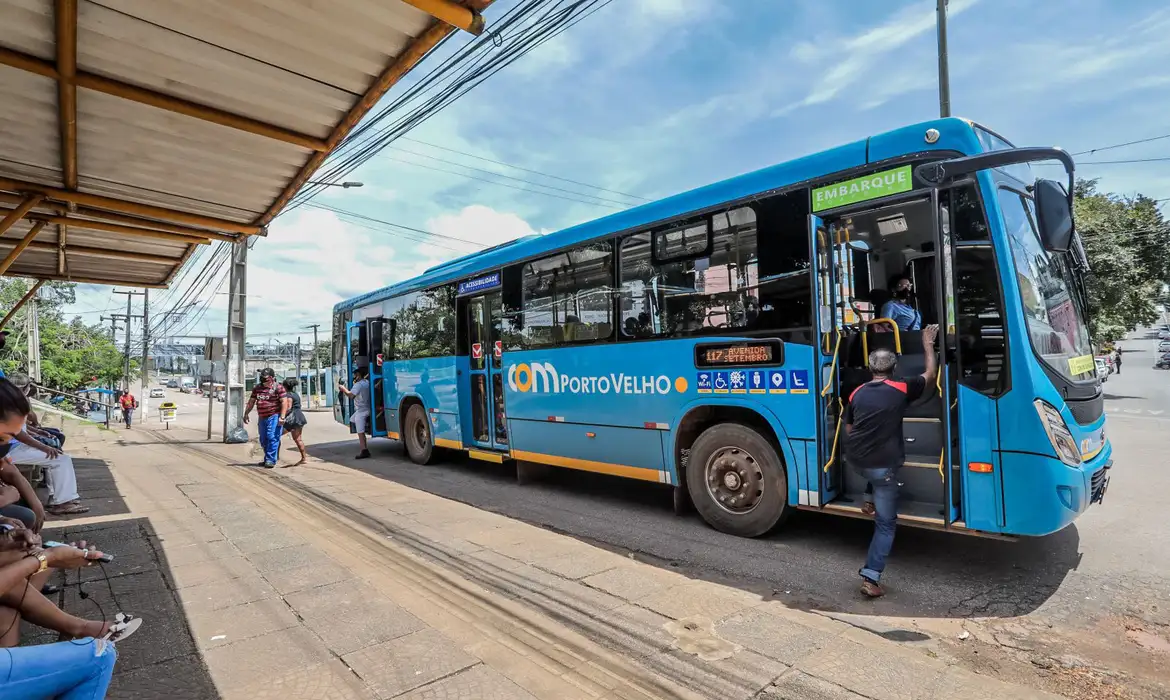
(735, 480)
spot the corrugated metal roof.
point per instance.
(193, 118)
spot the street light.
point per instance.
(345, 185)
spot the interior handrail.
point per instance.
(865, 336)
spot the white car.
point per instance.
(1164, 346)
(1163, 335)
(1102, 369)
(157, 393)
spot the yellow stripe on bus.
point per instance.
(444, 442)
(590, 466)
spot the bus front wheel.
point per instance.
(737, 480)
(416, 434)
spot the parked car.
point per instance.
(1102, 368)
(157, 393)
(1164, 346)
(1163, 334)
(1163, 362)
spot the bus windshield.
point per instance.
(1053, 306)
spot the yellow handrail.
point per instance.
(836, 434)
(833, 366)
(865, 336)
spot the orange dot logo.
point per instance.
(680, 385)
(523, 377)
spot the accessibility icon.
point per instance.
(703, 382)
(721, 382)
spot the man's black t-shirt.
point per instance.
(875, 411)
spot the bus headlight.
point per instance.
(1058, 434)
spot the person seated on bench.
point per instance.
(898, 308)
(18, 499)
(24, 449)
(48, 436)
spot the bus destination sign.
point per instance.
(764, 352)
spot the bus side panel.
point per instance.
(802, 475)
(433, 381)
(630, 452)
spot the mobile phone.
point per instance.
(104, 558)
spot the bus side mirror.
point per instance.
(1054, 214)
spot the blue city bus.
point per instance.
(708, 341)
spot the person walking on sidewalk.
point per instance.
(874, 445)
(295, 421)
(271, 403)
(128, 404)
(360, 393)
(1117, 357)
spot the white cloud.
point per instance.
(845, 60)
(481, 224)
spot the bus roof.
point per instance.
(955, 134)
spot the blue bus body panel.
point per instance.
(979, 428)
(555, 396)
(430, 380)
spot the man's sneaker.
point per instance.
(268, 465)
(871, 589)
(364, 454)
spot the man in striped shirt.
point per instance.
(271, 402)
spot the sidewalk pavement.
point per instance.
(327, 582)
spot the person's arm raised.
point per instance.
(929, 335)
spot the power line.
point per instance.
(1123, 145)
(508, 177)
(523, 169)
(401, 229)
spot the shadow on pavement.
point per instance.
(160, 660)
(810, 563)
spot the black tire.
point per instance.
(758, 469)
(417, 436)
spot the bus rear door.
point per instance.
(355, 357)
(375, 327)
(484, 421)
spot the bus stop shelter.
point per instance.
(133, 131)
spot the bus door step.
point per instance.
(488, 455)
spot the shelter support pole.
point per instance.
(20, 246)
(23, 300)
(451, 13)
(65, 13)
(237, 327)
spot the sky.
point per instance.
(647, 98)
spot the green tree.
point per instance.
(72, 353)
(1127, 242)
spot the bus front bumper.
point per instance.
(1043, 495)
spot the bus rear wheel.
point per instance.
(416, 433)
(737, 480)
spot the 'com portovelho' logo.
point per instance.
(543, 377)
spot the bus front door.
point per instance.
(487, 425)
(374, 330)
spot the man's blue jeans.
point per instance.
(77, 670)
(885, 503)
(270, 431)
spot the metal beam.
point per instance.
(393, 73)
(179, 265)
(452, 13)
(65, 13)
(19, 246)
(178, 105)
(138, 221)
(88, 251)
(23, 300)
(94, 280)
(135, 208)
(18, 213)
(127, 230)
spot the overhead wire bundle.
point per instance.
(521, 29)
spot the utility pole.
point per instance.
(316, 366)
(113, 324)
(145, 393)
(129, 315)
(299, 359)
(944, 76)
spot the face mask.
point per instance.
(902, 294)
